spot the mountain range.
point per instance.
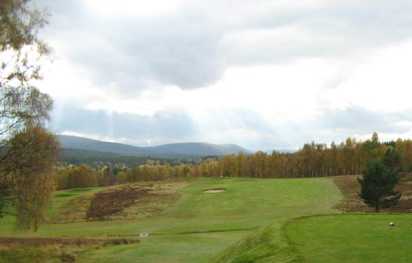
(175, 150)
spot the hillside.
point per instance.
(175, 150)
(196, 149)
(77, 156)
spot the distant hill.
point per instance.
(176, 150)
(196, 149)
(76, 156)
(80, 143)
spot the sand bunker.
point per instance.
(214, 191)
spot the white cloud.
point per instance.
(276, 74)
(379, 82)
(133, 8)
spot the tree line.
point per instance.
(76, 176)
(312, 160)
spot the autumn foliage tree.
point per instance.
(31, 167)
(81, 176)
(350, 157)
(20, 53)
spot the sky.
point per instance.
(259, 73)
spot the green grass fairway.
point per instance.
(202, 227)
(355, 238)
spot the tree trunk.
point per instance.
(377, 208)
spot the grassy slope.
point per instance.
(202, 225)
(295, 197)
(248, 206)
(355, 238)
(60, 199)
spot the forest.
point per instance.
(312, 160)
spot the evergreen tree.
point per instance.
(377, 185)
(392, 159)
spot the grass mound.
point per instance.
(265, 246)
(294, 198)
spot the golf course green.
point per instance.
(248, 220)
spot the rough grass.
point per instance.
(355, 238)
(73, 205)
(33, 255)
(68, 205)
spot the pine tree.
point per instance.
(392, 159)
(377, 185)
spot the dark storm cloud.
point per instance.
(160, 128)
(192, 47)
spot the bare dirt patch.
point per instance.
(351, 202)
(133, 201)
(7, 242)
(214, 190)
(107, 203)
(121, 202)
